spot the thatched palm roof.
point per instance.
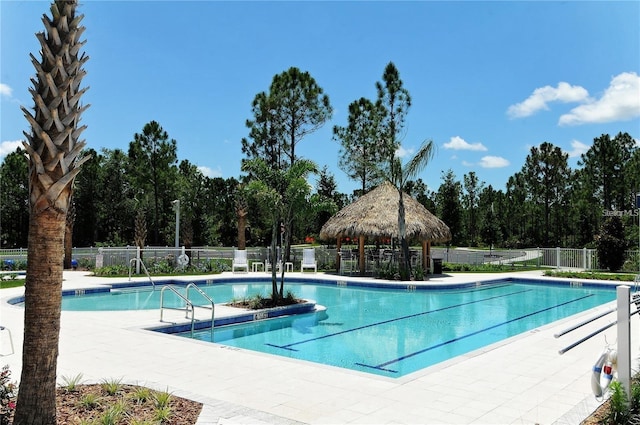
(375, 214)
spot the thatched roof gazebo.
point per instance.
(375, 215)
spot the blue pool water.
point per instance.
(382, 331)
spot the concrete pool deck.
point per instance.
(522, 380)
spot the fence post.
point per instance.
(557, 257)
(584, 258)
(139, 258)
(624, 338)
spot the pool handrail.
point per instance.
(144, 268)
(594, 333)
(583, 323)
(206, 297)
(186, 308)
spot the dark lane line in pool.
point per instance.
(476, 289)
(288, 346)
(382, 367)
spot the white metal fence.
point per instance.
(564, 258)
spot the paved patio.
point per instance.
(522, 380)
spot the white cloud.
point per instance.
(5, 90)
(620, 102)
(8, 147)
(208, 172)
(577, 149)
(538, 100)
(467, 163)
(402, 152)
(458, 143)
(493, 162)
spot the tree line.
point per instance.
(126, 197)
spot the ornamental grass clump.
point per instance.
(111, 386)
(70, 383)
(141, 395)
(90, 401)
(162, 399)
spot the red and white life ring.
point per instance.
(604, 371)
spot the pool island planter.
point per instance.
(243, 315)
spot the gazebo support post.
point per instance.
(338, 256)
(361, 254)
(426, 256)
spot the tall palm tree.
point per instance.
(280, 192)
(399, 175)
(54, 161)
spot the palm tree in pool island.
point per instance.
(55, 157)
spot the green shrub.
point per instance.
(635, 395)
(388, 271)
(86, 263)
(590, 275)
(115, 270)
(8, 393)
(611, 244)
(290, 297)
(256, 302)
(619, 412)
(163, 266)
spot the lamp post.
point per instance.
(176, 205)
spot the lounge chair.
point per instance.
(240, 260)
(309, 260)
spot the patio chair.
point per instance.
(267, 261)
(240, 260)
(309, 260)
(2, 328)
(348, 261)
(267, 266)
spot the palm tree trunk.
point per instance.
(43, 294)
(68, 236)
(242, 227)
(55, 159)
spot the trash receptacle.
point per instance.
(437, 266)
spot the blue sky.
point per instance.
(488, 80)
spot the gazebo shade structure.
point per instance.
(375, 215)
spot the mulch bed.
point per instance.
(70, 409)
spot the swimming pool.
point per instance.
(387, 332)
(394, 333)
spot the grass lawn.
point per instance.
(11, 283)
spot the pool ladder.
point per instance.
(189, 306)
